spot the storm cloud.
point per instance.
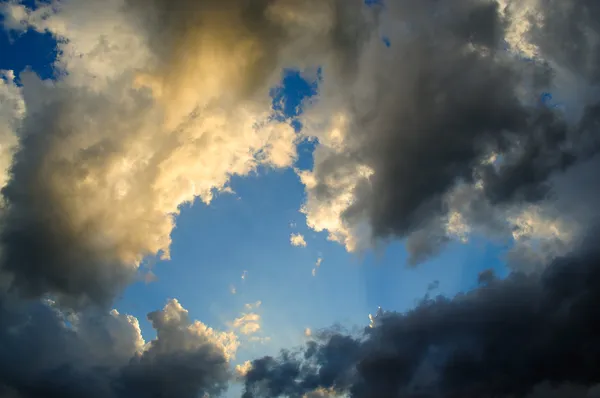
(453, 103)
(513, 337)
(48, 353)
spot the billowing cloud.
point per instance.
(442, 134)
(12, 111)
(155, 104)
(49, 353)
(525, 336)
(243, 369)
(297, 240)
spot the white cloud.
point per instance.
(297, 240)
(173, 325)
(12, 111)
(248, 323)
(243, 369)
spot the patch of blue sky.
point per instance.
(33, 50)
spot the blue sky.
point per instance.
(247, 232)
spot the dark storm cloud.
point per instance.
(446, 93)
(441, 110)
(506, 338)
(41, 357)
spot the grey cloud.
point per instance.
(516, 337)
(41, 356)
(427, 111)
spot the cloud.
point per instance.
(250, 306)
(50, 353)
(450, 142)
(12, 112)
(321, 393)
(154, 104)
(297, 240)
(248, 323)
(442, 134)
(516, 337)
(243, 369)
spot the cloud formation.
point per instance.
(456, 139)
(442, 133)
(248, 323)
(154, 104)
(516, 337)
(50, 353)
(297, 240)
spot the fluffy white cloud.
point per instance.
(297, 240)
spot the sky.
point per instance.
(318, 198)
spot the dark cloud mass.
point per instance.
(454, 96)
(426, 113)
(508, 338)
(45, 353)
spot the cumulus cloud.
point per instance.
(297, 240)
(243, 369)
(47, 352)
(442, 134)
(155, 104)
(525, 336)
(452, 139)
(437, 136)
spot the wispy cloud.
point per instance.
(250, 306)
(247, 323)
